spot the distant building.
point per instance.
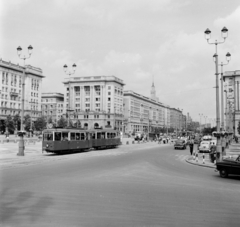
(153, 92)
(176, 119)
(52, 105)
(11, 90)
(142, 113)
(95, 101)
(232, 101)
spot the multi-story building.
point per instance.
(11, 90)
(52, 105)
(232, 101)
(142, 113)
(175, 119)
(96, 101)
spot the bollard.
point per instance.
(127, 142)
(196, 157)
(203, 158)
(133, 142)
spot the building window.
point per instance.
(109, 93)
(97, 99)
(87, 90)
(109, 99)
(97, 90)
(87, 99)
(109, 87)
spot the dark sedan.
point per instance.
(180, 144)
(229, 165)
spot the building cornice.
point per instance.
(93, 79)
(16, 67)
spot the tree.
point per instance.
(77, 124)
(1, 126)
(27, 122)
(40, 123)
(17, 122)
(238, 128)
(62, 122)
(9, 124)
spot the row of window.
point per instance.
(65, 136)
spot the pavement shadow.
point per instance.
(230, 177)
(24, 207)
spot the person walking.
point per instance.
(191, 144)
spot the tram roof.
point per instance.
(77, 130)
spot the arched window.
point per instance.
(96, 125)
(86, 126)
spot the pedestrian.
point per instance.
(191, 144)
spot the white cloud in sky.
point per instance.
(131, 39)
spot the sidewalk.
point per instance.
(33, 152)
(233, 149)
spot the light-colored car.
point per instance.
(205, 146)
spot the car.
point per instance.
(180, 144)
(229, 165)
(173, 139)
(197, 140)
(205, 146)
(138, 135)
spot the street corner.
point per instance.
(200, 161)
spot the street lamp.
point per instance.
(69, 92)
(200, 115)
(228, 57)
(31, 122)
(21, 133)
(224, 33)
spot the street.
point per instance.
(127, 186)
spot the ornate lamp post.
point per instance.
(228, 57)
(215, 57)
(31, 121)
(69, 91)
(200, 115)
(21, 133)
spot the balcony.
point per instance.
(14, 94)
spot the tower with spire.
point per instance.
(153, 91)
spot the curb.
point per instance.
(199, 164)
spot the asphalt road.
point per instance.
(140, 187)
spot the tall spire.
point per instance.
(153, 91)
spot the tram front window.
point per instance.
(48, 137)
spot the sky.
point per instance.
(138, 41)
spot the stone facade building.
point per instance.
(53, 105)
(96, 101)
(142, 113)
(11, 90)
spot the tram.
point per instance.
(59, 140)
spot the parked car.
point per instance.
(180, 144)
(197, 140)
(229, 165)
(204, 147)
(173, 139)
(138, 136)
